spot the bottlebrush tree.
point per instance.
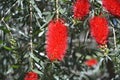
(59, 40)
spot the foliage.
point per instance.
(15, 54)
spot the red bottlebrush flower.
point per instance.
(99, 29)
(113, 6)
(81, 9)
(56, 40)
(31, 76)
(91, 62)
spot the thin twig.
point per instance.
(31, 31)
(7, 26)
(86, 36)
(57, 11)
(115, 44)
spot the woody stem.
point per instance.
(115, 45)
(30, 34)
(57, 11)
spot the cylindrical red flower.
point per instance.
(31, 76)
(81, 9)
(91, 62)
(99, 29)
(112, 6)
(56, 40)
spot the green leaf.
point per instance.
(1, 41)
(8, 48)
(35, 58)
(36, 8)
(39, 72)
(4, 29)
